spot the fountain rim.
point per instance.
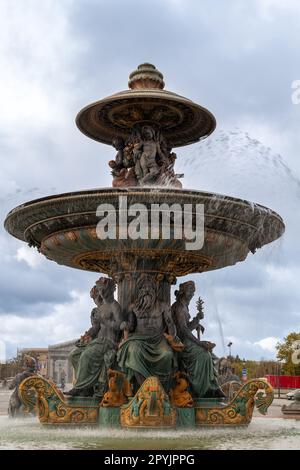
(153, 94)
(138, 191)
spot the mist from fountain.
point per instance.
(234, 163)
(270, 433)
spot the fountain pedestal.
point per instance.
(149, 408)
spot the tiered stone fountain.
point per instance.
(144, 123)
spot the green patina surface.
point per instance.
(82, 401)
(148, 355)
(185, 417)
(91, 362)
(240, 405)
(109, 416)
(209, 402)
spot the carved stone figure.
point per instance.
(179, 395)
(196, 358)
(95, 352)
(119, 389)
(145, 156)
(149, 408)
(145, 159)
(123, 175)
(15, 404)
(168, 177)
(118, 163)
(146, 351)
(90, 334)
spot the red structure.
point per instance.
(284, 381)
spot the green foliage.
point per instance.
(286, 352)
(255, 369)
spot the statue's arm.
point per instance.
(183, 325)
(119, 158)
(129, 324)
(137, 149)
(94, 330)
(161, 154)
(15, 382)
(115, 319)
(169, 322)
(193, 323)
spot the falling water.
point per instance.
(235, 164)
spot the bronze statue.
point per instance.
(119, 390)
(146, 351)
(95, 352)
(144, 159)
(196, 358)
(179, 394)
(15, 405)
(122, 169)
(146, 151)
(149, 407)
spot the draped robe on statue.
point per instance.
(194, 359)
(146, 355)
(146, 351)
(92, 361)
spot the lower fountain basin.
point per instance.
(262, 433)
(63, 228)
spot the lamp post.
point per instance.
(278, 377)
(229, 346)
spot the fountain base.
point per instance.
(149, 408)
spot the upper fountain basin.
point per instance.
(182, 121)
(63, 228)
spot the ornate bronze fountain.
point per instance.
(118, 381)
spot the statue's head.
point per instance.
(181, 380)
(146, 284)
(146, 293)
(106, 287)
(172, 157)
(148, 133)
(96, 296)
(29, 362)
(115, 380)
(186, 290)
(118, 143)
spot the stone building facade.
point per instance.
(59, 365)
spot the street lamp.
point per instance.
(278, 377)
(229, 346)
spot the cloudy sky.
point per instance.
(239, 59)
